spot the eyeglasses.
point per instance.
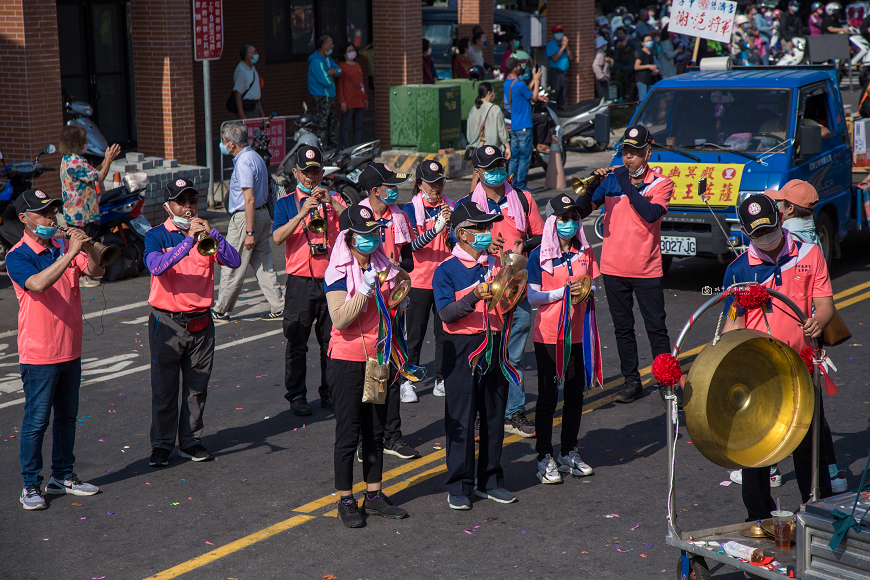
(183, 199)
(569, 217)
(479, 227)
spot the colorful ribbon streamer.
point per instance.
(563, 337)
(509, 371)
(400, 352)
(385, 328)
(485, 347)
(591, 346)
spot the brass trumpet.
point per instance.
(206, 245)
(108, 254)
(579, 185)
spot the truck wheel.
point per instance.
(666, 264)
(826, 232)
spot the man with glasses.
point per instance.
(45, 274)
(307, 254)
(249, 227)
(635, 198)
(180, 329)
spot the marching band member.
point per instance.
(429, 215)
(381, 184)
(45, 274)
(354, 306)
(180, 328)
(554, 266)
(521, 231)
(470, 351)
(635, 198)
(307, 254)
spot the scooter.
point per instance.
(796, 55)
(349, 163)
(19, 177)
(81, 113)
(578, 124)
(861, 49)
(122, 223)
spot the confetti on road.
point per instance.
(76, 504)
(634, 528)
(612, 516)
(524, 532)
(239, 408)
(110, 513)
(645, 544)
(467, 532)
(725, 483)
(618, 549)
(175, 503)
(260, 376)
(209, 543)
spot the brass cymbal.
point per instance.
(585, 291)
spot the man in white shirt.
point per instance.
(246, 84)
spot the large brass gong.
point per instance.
(748, 400)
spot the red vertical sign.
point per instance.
(276, 133)
(208, 29)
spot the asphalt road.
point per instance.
(264, 509)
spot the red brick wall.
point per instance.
(163, 63)
(397, 30)
(477, 13)
(30, 97)
(578, 19)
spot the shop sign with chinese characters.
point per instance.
(710, 19)
(723, 182)
(208, 29)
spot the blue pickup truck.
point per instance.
(747, 130)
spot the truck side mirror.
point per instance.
(811, 140)
(602, 128)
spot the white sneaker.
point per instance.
(775, 477)
(438, 391)
(88, 282)
(572, 464)
(72, 485)
(406, 392)
(548, 472)
(736, 476)
(839, 483)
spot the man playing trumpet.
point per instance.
(45, 274)
(180, 328)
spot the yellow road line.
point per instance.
(853, 300)
(230, 548)
(852, 290)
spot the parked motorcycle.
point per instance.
(122, 224)
(348, 163)
(19, 176)
(796, 55)
(81, 113)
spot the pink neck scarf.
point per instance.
(420, 207)
(401, 231)
(482, 259)
(515, 207)
(343, 264)
(550, 248)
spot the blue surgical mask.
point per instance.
(223, 148)
(389, 195)
(495, 177)
(255, 58)
(481, 241)
(649, 44)
(328, 52)
(558, 36)
(485, 42)
(567, 230)
(302, 188)
(44, 232)
(366, 244)
(516, 44)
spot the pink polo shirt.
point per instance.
(188, 285)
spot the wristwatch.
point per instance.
(249, 233)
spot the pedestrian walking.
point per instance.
(520, 231)
(246, 84)
(350, 282)
(45, 274)
(486, 124)
(180, 329)
(322, 73)
(634, 198)
(473, 386)
(307, 222)
(428, 215)
(559, 57)
(519, 98)
(554, 268)
(601, 68)
(352, 98)
(645, 68)
(81, 206)
(249, 226)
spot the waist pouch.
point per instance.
(190, 321)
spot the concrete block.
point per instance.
(135, 157)
(170, 163)
(143, 165)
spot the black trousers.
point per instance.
(304, 306)
(353, 419)
(558, 79)
(548, 395)
(468, 394)
(541, 125)
(601, 88)
(416, 323)
(393, 418)
(756, 481)
(651, 301)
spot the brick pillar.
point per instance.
(398, 27)
(477, 13)
(30, 96)
(163, 61)
(577, 17)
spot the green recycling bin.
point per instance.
(425, 118)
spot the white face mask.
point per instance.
(768, 242)
(182, 223)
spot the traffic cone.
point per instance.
(555, 170)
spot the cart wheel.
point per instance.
(697, 569)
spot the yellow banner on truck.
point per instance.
(723, 182)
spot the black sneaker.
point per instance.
(326, 403)
(196, 453)
(629, 393)
(382, 506)
(517, 424)
(220, 316)
(400, 448)
(359, 451)
(159, 457)
(300, 407)
(270, 316)
(348, 511)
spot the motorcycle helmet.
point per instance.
(832, 8)
(794, 3)
(815, 6)
(740, 19)
(770, 4)
(476, 73)
(777, 14)
(620, 10)
(307, 121)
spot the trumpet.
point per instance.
(579, 185)
(316, 222)
(108, 254)
(206, 245)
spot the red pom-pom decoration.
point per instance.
(752, 297)
(807, 355)
(666, 370)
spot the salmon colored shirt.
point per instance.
(187, 285)
(388, 234)
(347, 344)
(507, 228)
(50, 322)
(429, 257)
(454, 279)
(300, 260)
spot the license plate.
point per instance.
(678, 246)
(354, 175)
(141, 225)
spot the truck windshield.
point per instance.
(739, 119)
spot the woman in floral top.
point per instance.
(80, 205)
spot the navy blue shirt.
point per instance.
(23, 262)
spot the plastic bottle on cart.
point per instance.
(736, 550)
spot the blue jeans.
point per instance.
(521, 155)
(516, 400)
(642, 88)
(46, 387)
